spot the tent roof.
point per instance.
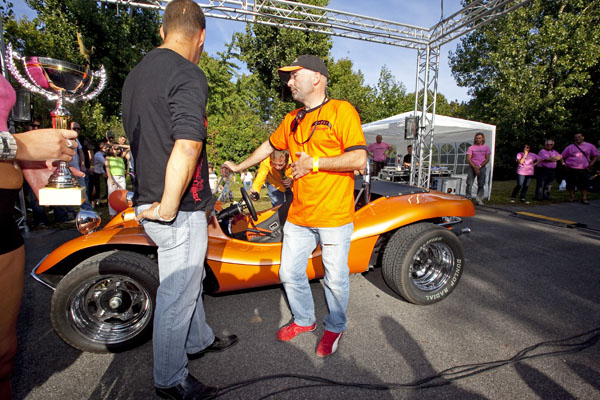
(447, 129)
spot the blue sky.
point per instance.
(366, 57)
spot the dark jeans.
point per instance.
(522, 184)
(378, 166)
(39, 212)
(577, 178)
(544, 179)
(95, 186)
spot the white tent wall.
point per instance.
(457, 134)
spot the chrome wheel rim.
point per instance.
(432, 266)
(110, 309)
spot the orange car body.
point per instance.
(241, 264)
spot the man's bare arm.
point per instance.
(263, 151)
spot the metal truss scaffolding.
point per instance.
(427, 42)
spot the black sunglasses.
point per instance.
(298, 119)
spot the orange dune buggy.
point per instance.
(105, 281)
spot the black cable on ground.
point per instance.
(568, 345)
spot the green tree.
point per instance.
(528, 70)
(265, 48)
(234, 126)
(345, 84)
(117, 37)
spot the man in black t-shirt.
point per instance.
(164, 115)
(406, 161)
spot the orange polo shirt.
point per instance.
(322, 199)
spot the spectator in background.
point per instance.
(379, 152)
(212, 178)
(392, 157)
(526, 161)
(78, 162)
(88, 159)
(110, 138)
(579, 158)
(246, 177)
(126, 156)
(478, 156)
(99, 173)
(407, 160)
(276, 171)
(545, 170)
(115, 173)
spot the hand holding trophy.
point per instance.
(61, 81)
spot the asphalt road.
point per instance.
(527, 280)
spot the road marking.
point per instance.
(564, 221)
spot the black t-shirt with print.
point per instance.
(164, 100)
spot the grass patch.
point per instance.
(502, 190)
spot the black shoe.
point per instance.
(189, 389)
(215, 347)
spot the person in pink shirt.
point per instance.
(546, 167)
(478, 156)
(526, 162)
(579, 158)
(379, 151)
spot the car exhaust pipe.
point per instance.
(462, 231)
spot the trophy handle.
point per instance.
(101, 75)
(10, 61)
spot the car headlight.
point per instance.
(129, 198)
(87, 221)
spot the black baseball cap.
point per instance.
(307, 61)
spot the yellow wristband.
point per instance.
(315, 164)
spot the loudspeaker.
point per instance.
(21, 112)
(411, 127)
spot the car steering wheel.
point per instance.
(249, 204)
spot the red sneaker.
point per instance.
(329, 343)
(292, 330)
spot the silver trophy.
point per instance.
(64, 82)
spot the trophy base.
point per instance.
(61, 197)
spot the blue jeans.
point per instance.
(276, 196)
(522, 184)
(298, 244)
(247, 185)
(179, 321)
(86, 205)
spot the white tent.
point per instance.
(455, 132)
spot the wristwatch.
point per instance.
(9, 146)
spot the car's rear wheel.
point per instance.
(106, 303)
(423, 263)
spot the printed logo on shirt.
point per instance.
(197, 183)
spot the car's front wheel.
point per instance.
(423, 263)
(106, 303)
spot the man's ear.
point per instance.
(202, 37)
(161, 32)
(316, 78)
